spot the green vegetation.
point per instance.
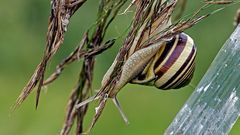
(23, 30)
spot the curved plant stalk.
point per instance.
(214, 106)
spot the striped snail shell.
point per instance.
(173, 65)
(165, 65)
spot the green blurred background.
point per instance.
(23, 27)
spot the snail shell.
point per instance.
(173, 65)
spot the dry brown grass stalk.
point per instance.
(90, 46)
(61, 12)
(93, 44)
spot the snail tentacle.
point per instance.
(117, 104)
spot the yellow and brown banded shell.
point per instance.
(172, 66)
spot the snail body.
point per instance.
(165, 65)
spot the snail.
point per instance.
(165, 65)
